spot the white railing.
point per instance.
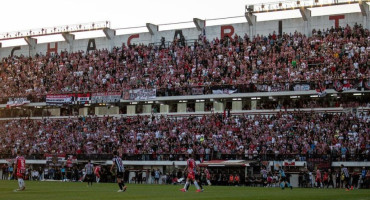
(56, 30)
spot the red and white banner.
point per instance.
(14, 102)
(59, 99)
(289, 163)
(83, 98)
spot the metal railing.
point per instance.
(207, 89)
(213, 156)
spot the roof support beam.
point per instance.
(199, 23)
(252, 23)
(153, 29)
(363, 8)
(306, 16)
(109, 33)
(68, 37)
(31, 42)
(365, 13)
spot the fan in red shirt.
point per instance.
(20, 166)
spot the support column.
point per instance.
(306, 16)
(199, 106)
(218, 106)
(366, 14)
(131, 109)
(252, 24)
(253, 104)
(52, 111)
(164, 108)
(32, 45)
(237, 106)
(83, 111)
(147, 109)
(114, 110)
(181, 107)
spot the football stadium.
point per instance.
(271, 102)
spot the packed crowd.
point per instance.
(240, 62)
(341, 135)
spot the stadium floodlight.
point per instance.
(357, 94)
(295, 97)
(314, 96)
(199, 100)
(183, 101)
(149, 102)
(133, 103)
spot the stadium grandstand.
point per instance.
(240, 97)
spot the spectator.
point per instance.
(264, 63)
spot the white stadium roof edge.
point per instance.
(253, 14)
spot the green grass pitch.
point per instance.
(80, 191)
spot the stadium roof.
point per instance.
(264, 10)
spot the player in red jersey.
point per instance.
(20, 171)
(208, 176)
(191, 169)
(97, 173)
(197, 179)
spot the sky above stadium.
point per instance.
(19, 15)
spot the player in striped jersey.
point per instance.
(89, 169)
(120, 169)
(20, 170)
(347, 177)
